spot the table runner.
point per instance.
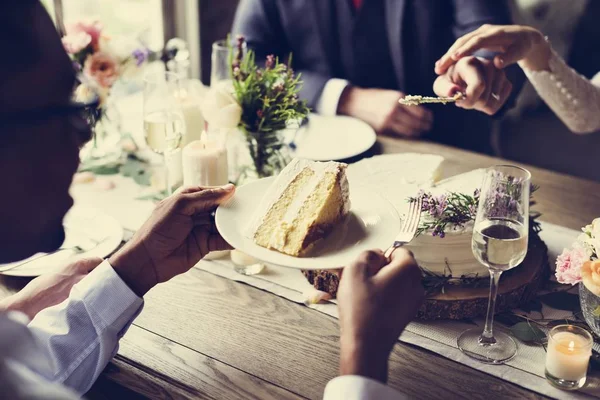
(526, 369)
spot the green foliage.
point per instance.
(528, 332)
(270, 103)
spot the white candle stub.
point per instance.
(205, 163)
(568, 356)
(192, 113)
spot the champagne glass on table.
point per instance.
(219, 61)
(499, 242)
(164, 124)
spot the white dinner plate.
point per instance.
(85, 227)
(333, 138)
(373, 223)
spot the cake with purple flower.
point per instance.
(447, 219)
(456, 283)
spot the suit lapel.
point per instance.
(394, 11)
(323, 13)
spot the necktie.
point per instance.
(357, 4)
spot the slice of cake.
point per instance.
(301, 207)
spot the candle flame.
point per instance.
(203, 139)
(571, 345)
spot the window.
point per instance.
(153, 21)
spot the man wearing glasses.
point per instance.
(78, 318)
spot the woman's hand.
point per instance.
(513, 43)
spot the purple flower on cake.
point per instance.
(568, 265)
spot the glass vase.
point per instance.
(590, 307)
(260, 155)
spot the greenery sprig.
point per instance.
(452, 211)
(270, 103)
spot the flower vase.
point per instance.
(590, 307)
(263, 154)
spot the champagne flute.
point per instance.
(219, 65)
(164, 123)
(500, 243)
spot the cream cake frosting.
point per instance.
(452, 254)
(301, 206)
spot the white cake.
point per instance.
(451, 254)
(301, 207)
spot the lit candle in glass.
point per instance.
(568, 356)
(205, 162)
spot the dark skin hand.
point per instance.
(377, 298)
(178, 234)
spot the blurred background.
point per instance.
(530, 133)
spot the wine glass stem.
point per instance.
(487, 337)
(167, 174)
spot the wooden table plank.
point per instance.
(290, 345)
(147, 361)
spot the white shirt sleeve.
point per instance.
(573, 98)
(81, 334)
(330, 96)
(354, 387)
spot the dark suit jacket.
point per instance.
(307, 29)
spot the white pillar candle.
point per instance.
(568, 353)
(194, 121)
(205, 163)
(189, 99)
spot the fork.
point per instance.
(408, 228)
(78, 249)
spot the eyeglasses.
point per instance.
(80, 116)
(89, 111)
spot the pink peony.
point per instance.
(102, 68)
(92, 28)
(75, 42)
(568, 265)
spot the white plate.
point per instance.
(373, 223)
(83, 226)
(333, 138)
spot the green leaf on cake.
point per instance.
(528, 333)
(562, 301)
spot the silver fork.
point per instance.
(408, 228)
(78, 249)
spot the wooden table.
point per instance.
(202, 336)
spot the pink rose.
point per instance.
(568, 265)
(92, 28)
(75, 42)
(102, 68)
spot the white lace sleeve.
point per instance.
(574, 98)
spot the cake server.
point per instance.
(415, 100)
(408, 228)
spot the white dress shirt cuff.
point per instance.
(330, 96)
(109, 298)
(354, 387)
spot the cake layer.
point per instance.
(301, 207)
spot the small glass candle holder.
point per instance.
(568, 356)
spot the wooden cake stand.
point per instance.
(517, 286)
